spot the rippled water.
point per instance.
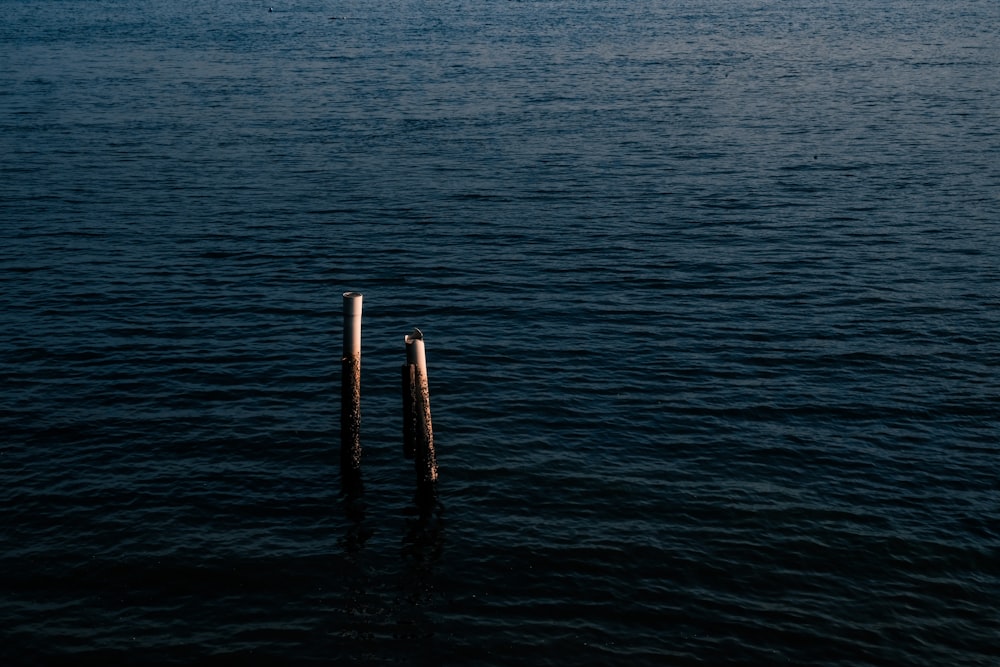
(710, 293)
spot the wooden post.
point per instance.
(350, 391)
(425, 460)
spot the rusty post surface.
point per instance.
(350, 414)
(350, 390)
(426, 459)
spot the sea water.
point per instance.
(711, 300)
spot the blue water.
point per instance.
(710, 294)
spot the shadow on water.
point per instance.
(357, 532)
(421, 552)
(351, 494)
(387, 602)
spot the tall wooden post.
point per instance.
(350, 391)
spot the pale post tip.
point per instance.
(352, 303)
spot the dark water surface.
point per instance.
(711, 295)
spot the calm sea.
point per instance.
(711, 298)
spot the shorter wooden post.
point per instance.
(350, 391)
(425, 459)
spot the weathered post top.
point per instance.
(415, 351)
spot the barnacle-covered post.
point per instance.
(350, 391)
(418, 432)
